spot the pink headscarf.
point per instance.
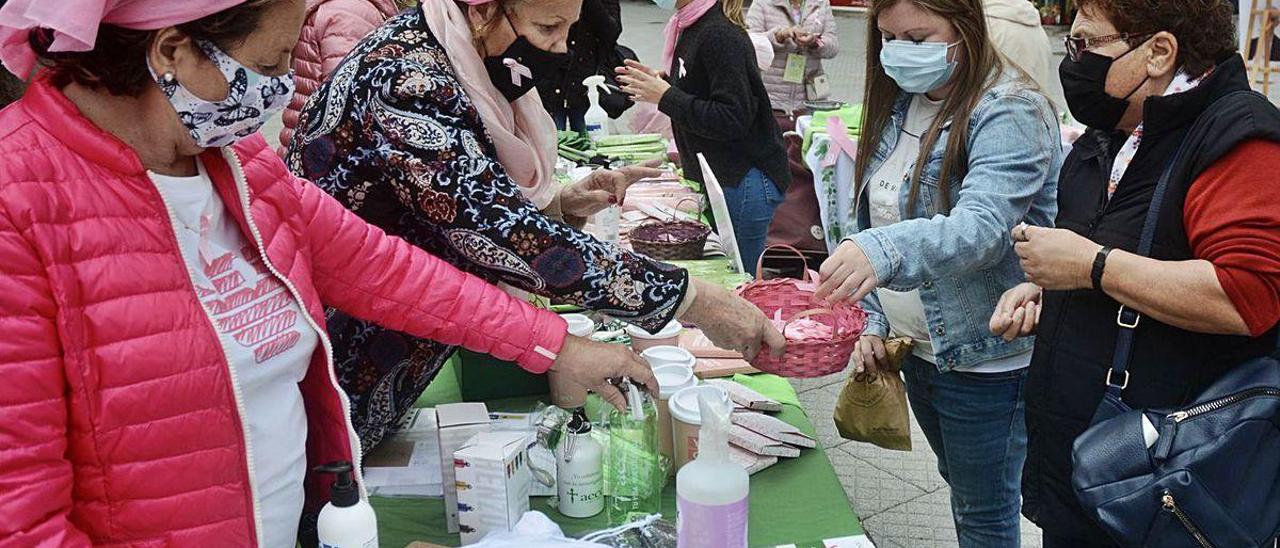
(75, 23)
(522, 131)
(684, 18)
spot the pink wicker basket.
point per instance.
(794, 299)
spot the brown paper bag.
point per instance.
(873, 407)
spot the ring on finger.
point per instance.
(1022, 233)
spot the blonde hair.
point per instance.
(733, 10)
(982, 65)
(406, 4)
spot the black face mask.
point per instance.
(519, 69)
(1084, 83)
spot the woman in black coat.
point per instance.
(591, 43)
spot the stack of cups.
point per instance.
(671, 379)
(686, 418)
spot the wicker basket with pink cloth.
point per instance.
(820, 340)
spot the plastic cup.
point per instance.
(580, 325)
(671, 379)
(659, 356)
(687, 420)
(642, 340)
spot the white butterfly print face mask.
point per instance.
(252, 100)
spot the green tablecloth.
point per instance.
(798, 501)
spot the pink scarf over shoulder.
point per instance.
(522, 130)
(684, 18)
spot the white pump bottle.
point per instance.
(711, 491)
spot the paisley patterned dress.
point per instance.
(394, 137)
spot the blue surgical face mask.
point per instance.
(669, 5)
(917, 68)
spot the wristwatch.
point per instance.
(1100, 265)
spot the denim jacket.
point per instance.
(963, 261)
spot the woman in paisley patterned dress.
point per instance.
(413, 135)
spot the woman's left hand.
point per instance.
(807, 39)
(642, 83)
(603, 188)
(1055, 258)
(847, 274)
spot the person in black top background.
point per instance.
(715, 96)
(591, 43)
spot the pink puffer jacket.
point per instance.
(770, 16)
(332, 30)
(119, 419)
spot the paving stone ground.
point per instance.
(900, 497)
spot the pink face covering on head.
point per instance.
(75, 23)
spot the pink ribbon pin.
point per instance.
(517, 71)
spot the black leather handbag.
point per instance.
(1212, 477)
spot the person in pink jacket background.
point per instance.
(802, 28)
(332, 28)
(167, 376)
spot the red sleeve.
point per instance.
(1233, 221)
(362, 271)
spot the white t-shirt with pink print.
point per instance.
(268, 341)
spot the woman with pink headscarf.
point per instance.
(432, 129)
(168, 380)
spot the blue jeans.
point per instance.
(572, 121)
(976, 426)
(751, 205)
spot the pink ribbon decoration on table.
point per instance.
(684, 18)
(75, 23)
(517, 71)
(845, 144)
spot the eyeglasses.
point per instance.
(1077, 46)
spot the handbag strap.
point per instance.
(1127, 318)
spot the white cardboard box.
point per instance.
(492, 471)
(456, 423)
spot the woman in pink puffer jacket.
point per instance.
(167, 376)
(332, 29)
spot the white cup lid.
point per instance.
(672, 379)
(684, 405)
(668, 331)
(668, 355)
(579, 325)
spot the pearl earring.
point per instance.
(169, 77)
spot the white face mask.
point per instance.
(252, 100)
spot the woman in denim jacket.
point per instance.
(967, 150)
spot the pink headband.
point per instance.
(75, 23)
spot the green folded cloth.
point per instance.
(851, 115)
